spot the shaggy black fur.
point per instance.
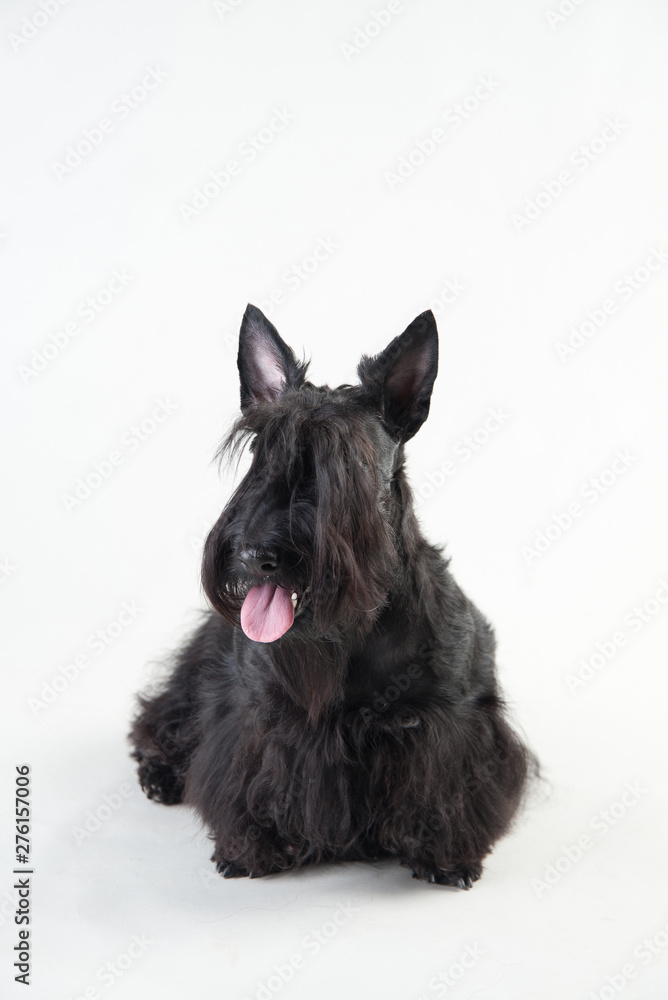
(374, 726)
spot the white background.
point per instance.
(542, 926)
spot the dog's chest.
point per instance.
(387, 669)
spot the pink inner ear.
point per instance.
(269, 373)
(405, 381)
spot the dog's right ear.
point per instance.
(400, 378)
(267, 366)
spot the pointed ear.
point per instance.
(267, 366)
(401, 378)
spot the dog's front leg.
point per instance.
(436, 843)
(250, 846)
(456, 783)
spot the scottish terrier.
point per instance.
(340, 700)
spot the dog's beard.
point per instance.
(329, 516)
(284, 606)
(304, 596)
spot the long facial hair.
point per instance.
(314, 472)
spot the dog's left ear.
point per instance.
(401, 378)
(267, 366)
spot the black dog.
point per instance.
(340, 702)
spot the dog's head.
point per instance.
(311, 539)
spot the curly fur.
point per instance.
(374, 726)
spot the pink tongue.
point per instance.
(266, 613)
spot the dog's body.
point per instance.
(355, 713)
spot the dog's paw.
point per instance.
(233, 869)
(160, 783)
(230, 869)
(458, 876)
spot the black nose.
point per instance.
(260, 561)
